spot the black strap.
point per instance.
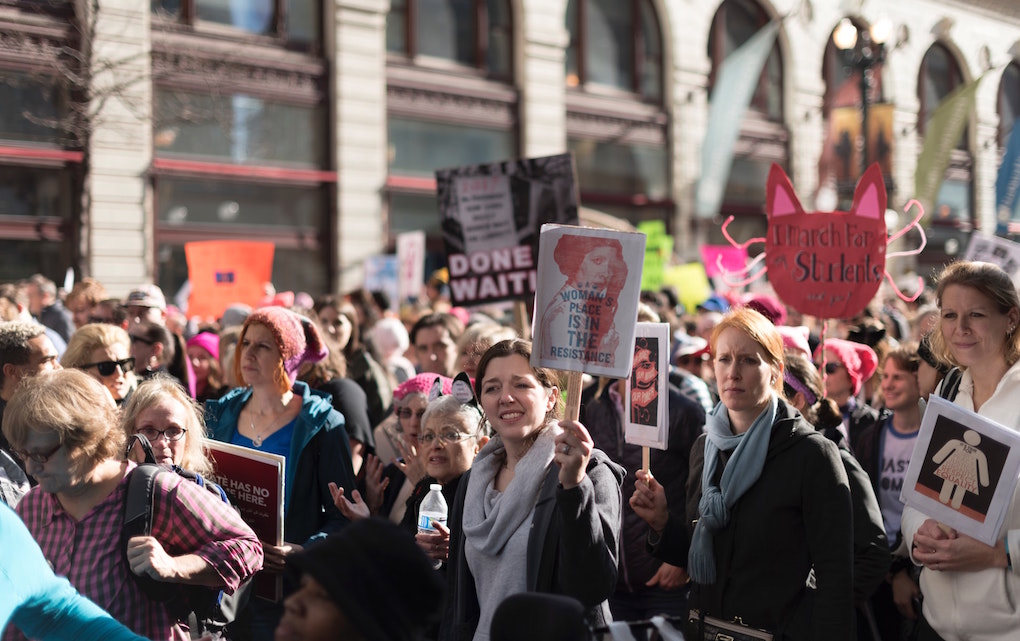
(951, 384)
(146, 447)
(138, 522)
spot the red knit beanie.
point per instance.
(859, 360)
(297, 338)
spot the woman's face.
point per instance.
(646, 370)
(119, 382)
(742, 373)
(973, 327)
(409, 416)
(165, 415)
(514, 400)
(259, 355)
(445, 461)
(310, 615)
(200, 360)
(596, 268)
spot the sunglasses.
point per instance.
(446, 438)
(39, 457)
(151, 434)
(139, 339)
(832, 368)
(406, 413)
(106, 368)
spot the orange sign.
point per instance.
(225, 272)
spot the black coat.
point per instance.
(796, 518)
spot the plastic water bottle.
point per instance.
(433, 510)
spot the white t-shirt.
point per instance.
(895, 457)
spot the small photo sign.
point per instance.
(964, 470)
(647, 399)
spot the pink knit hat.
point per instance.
(796, 337)
(208, 341)
(296, 337)
(421, 384)
(859, 360)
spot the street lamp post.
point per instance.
(862, 50)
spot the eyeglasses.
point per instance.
(39, 457)
(139, 339)
(151, 434)
(406, 413)
(832, 368)
(107, 368)
(447, 438)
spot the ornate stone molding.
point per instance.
(436, 104)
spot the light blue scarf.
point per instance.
(742, 471)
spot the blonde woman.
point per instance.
(103, 351)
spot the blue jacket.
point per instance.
(320, 452)
(40, 604)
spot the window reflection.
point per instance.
(20, 95)
(622, 169)
(418, 148)
(217, 202)
(254, 16)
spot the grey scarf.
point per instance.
(742, 471)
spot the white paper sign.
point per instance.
(964, 470)
(998, 251)
(411, 261)
(586, 301)
(647, 400)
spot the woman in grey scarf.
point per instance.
(540, 508)
(772, 544)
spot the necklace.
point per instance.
(257, 441)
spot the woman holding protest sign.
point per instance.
(540, 508)
(772, 542)
(277, 413)
(970, 589)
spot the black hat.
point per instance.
(376, 574)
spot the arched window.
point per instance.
(450, 102)
(615, 44)
(296, 23)
(763, 134)
(616, 122)
(475, 33)
(1009, 103)
(952, 217)
(848, 74)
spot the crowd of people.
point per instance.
(775, 504)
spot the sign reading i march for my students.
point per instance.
(492, 214)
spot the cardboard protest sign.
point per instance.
(691, 283)
(224, 272)
(586, 301)
(719, 259)
(254, 481)
(964, 470)
(658, 249)
(999, 251)
(411, 261)
(647, 399)
(491, 215)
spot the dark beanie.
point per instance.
(378, 576)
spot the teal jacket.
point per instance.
(320, 452)
(40, 604)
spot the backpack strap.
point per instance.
(951, 384)
(146, 447)
(138, 522)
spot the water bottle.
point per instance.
(433, 510)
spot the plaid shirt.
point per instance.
(187, 519)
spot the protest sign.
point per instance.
(225, 272)
(381, 276)
(690, 282)
(254, 481)
(411, 261)
(586, 301)
(658, 249)
(647, 400)
(963, 471)
(491, 215)
(999, 251)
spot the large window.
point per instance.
(1009, 103)
(475, 33)
(615, 44)
(952, 217)
(296, 22)
(450, 102)
(763, 134)
(616, 121)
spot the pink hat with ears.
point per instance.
(796, 337)
(422, 384)
(296, 337)
(859, 360)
